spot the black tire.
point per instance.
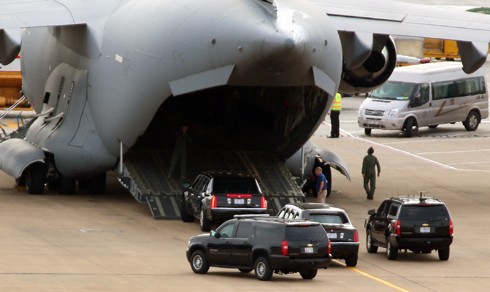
(245, 271)
(351, 260)
(205, 223)
(199, 262)
(408, 130)
(472, 121)
(263, 270)
(367, 131)
(433, 126)
(443, 253)
(308, 274)
(371, 248)
(35, 178)
(184, 214)
(391, 252)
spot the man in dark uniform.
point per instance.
(369, 172)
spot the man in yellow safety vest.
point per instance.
(334, 116)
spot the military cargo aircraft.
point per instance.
(111, 80)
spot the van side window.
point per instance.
(420, 95)
(457, 88)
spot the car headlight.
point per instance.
(392, 114)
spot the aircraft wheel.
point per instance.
(35, 178)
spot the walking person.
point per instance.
(369, 164)
(335, 116)
(182, 138)
(320, 185)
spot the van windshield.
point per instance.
(395, 90)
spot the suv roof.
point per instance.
(315, 206)
(417, 200)
(273, 219)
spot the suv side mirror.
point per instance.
(371, 212)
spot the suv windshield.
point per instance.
(394, 90)
(314, 233)
(235, 185)
(424, 212)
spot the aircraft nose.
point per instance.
(280, 44)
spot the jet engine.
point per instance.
(369, 61)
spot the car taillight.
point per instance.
(329, 247)
(285, 248)
(397, 227)
(214, 201)
(263, 203)
(356, 236)
(451, 227)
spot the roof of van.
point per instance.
(429, 72)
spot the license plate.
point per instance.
(424, 229)
(332, 235)
(308, 250)
(239, 201)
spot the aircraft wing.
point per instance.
(378, 17)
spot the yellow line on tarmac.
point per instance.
(374, 278)
(378, 279)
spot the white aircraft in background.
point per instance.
(109, 79)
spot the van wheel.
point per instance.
(433, 126)
(367, 131)
(409, 124)
(472, 121)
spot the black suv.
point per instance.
(263, 244)
(420, 224)
(215, 197)
(342, 234)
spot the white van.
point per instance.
(426, 95)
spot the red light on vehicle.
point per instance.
(329, 247)
(356, 236)
(397, 227)
(214, 201)
(263, 203)
(285, 248)
(239, 196)
(451, 227)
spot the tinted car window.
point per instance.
(227, 231)
(315, 232)
(235, 185)
(269, 231)
(328, 218)
(244, 230)
(424, 212)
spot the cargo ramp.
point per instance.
(145, 175)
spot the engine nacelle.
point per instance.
(368, 62)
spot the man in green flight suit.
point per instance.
(369, 172)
